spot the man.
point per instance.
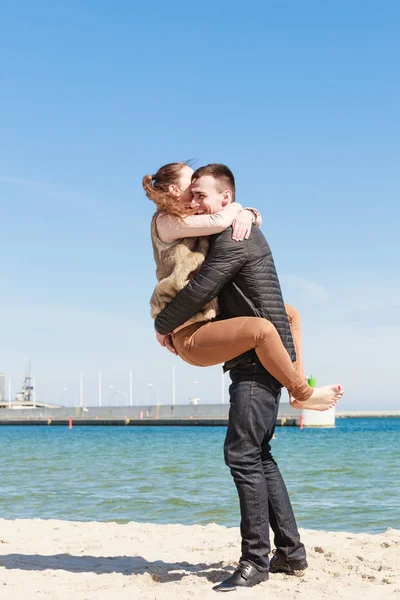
(253, 290)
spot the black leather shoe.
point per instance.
(245, 576)
(296, 567)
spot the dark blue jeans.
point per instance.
(264, 500)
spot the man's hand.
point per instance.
(166, 341)
(242, 225)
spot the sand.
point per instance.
(62, 559)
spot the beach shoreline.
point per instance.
(87, 560)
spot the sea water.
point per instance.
(343, 479)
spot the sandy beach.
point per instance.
(64, 559)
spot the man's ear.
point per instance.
(227, 198)
(174, 190)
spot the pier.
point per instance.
(211, 422)
(210, 415)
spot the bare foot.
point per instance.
(300, 405)
(321, 399)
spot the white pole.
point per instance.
(222, 388)
(130, 388)
(81, 386)
(99, 388)
(173, 386)
(34, 392)
(9, 392)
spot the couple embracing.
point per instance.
(219, 300)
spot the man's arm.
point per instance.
(225, 259)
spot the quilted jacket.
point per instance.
(244, 277)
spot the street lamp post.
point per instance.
(81, 390)
(130, 388)
(111, 387)
(99, 389)
(150, 385)
(124, 394)
(173, 386)
(64, 389)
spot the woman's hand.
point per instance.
(242, 225)
(165, 341)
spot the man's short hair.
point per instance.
(221, 173)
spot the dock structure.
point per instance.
(211, 422)
(210, 415)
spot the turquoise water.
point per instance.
(347, 478)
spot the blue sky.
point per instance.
(300, 99)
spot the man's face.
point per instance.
(206, 195)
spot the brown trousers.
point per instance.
(214, 342)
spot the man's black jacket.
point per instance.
(243, 276)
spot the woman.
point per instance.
(180, 244)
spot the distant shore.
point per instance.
(363, 414)
(61, 560)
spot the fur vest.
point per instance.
(177, 262)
